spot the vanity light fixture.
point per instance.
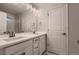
(32, 9)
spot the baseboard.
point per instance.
(53, 53)
(43, 52)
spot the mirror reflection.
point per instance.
(13, 18)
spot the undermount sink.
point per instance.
(36, 33)
(12, 38)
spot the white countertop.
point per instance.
(25, 36)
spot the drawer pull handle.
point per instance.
(36, 40)
(22, 53)
(36, 47)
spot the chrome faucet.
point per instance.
(11, 34)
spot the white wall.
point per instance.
(43, 18)
(17, 23)
(6, 24)
(3, 22)
(27, 19)
(10, 22)
(73, 28)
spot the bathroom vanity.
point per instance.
(23, 44)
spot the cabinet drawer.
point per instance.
(43, 37)
(36, 42)
(1, 51)
(36, 51)
(36, 46)
(18, 47)
(26, 51)
(36, 39)
(29, 51)
(42, 44)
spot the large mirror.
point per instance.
(10, 19)
(13, 17)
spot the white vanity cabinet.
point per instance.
(32, 46)
(1, 51)
(19, 49)
(39, 45)
(42, 44)
(26, 51)
(29, 51)
(36, 46)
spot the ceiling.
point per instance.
(15, 8)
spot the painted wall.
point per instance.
(10, 22)
(17, 23)
(73, 28)
(27, 20)
(3, 22)
(43, 20)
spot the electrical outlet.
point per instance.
(78, 41)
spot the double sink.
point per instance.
(13, 38)
(17, 38)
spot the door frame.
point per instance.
(65, 5)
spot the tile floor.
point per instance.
(49, 53)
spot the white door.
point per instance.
(58, 30)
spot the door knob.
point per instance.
(63, 33)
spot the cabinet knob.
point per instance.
(36, 47)
(36, 40)
(78, 41)
(22, 53)
(63, 33)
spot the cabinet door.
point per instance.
(42, 45)
(18, 47)
(29, 51)
(1, 51)
(26, 51)
(36, 51)
(36, 46)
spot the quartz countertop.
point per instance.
(25, 36)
